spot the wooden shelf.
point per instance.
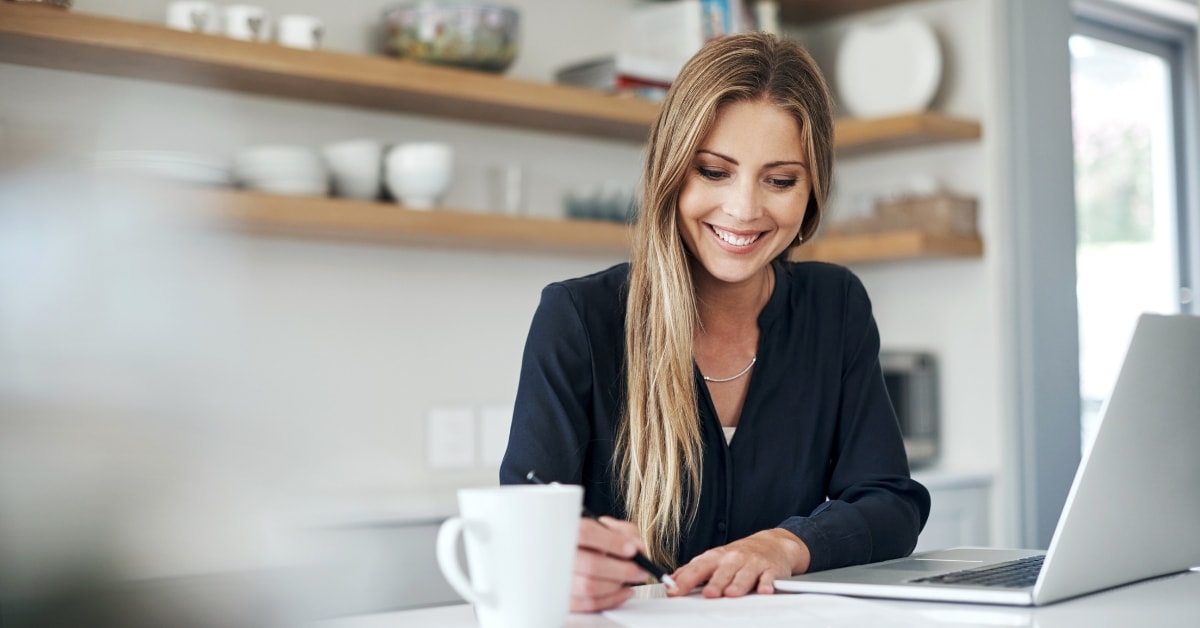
(889, 246)
(390, 223)
(806, 11)
(387, 223)
(52, 38)
(858, 137)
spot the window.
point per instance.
(1130, 109)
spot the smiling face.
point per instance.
(745, 195)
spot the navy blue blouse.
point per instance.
(817, 449)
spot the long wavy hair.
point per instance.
(659, 464)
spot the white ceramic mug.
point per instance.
(246, 21)
(419, 173)
(356, 167)
(520, 543)
(192, 15)
(299, 31)
(506, 188)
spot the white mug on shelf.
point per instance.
(356, 167)
(192, 15)
(506, 188)
(299, 31)
(246, 21)
(419, 173)
(520, 542)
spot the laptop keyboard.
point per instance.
(1013, 574)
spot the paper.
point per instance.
(763, 611)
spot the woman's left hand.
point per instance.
(748, 565)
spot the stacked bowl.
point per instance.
(294, 170)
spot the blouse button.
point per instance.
(720, 526)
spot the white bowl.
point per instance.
(290, 187)
(356, 167)
(419, 173)
(254, 165)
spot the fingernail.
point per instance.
(630, 549)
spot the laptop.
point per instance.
(1133, 511)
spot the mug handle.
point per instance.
(447, 557)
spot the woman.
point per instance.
(634, 378)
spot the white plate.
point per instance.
(182, 167)
(888, 68)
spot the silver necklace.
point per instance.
(730, 379)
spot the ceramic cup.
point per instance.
(356, 167)
(299, 31)
(190, 15)
(419, 173)
(246, 21)
(520, 543)
(506, 188)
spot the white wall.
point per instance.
(360, 340)
(392, 330)
(953, 308)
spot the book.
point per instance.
(603, 72)
(669, 33)
(620, 73)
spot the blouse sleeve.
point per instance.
(875, 510)
(550, 425)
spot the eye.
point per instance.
(782, 183)
(711, 174)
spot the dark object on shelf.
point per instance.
(609, 201)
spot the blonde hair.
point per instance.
(659, 445)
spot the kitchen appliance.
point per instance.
(911, 378)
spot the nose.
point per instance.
(743, 200)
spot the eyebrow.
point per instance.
(735, 162)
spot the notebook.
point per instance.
(1133, 511)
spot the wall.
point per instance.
(347, 346)
(954, 308)
(392, 331)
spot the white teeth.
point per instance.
(734, 239)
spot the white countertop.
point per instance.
(1170, 602)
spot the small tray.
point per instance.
(941, 214)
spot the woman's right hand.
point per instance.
(604, 572)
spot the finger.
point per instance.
(585, 587)
(589, 604)
(626, 529)
(693, 574)
(766, 583)
(721, 578)
(600, 538)
(611, 568)
(744, 581)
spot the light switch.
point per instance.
(450, 437)
(494, 423)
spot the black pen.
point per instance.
(638, 558)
